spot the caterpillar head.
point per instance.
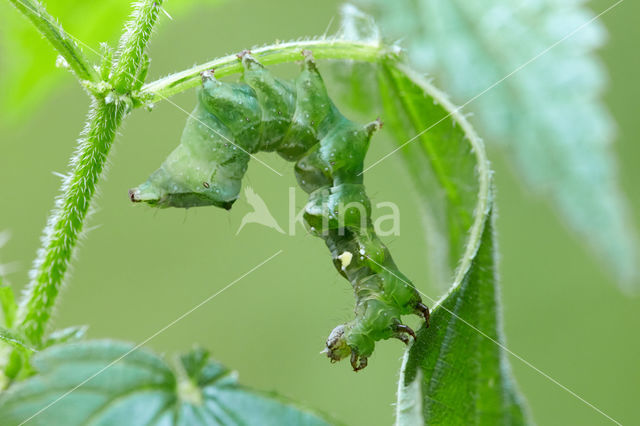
(336, 346)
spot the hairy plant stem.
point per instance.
(66, 220)
(130, 54)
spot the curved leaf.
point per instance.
(447, 163)
(456, 372)
(110, 383)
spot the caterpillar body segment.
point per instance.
(299, 121)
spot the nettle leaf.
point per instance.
(442, 162)
(31, 74)
(138, 388)
(549, 113)
(455, 372)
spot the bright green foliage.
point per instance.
(548, 113)
(8, 304)
(138, 389)
(69, 50)
(29, 72)
(300, 122)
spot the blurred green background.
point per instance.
(139, 269)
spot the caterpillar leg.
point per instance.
(403, 338)
(358, 362)
(402, 329)
(244, 53)
(424, 310)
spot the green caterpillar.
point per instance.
(299, 121)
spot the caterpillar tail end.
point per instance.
(156, 196)
(144, 193)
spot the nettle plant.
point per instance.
(56, 377)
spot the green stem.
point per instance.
(67, 218)
(132, 44)
(61, 41)
(268, 55)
